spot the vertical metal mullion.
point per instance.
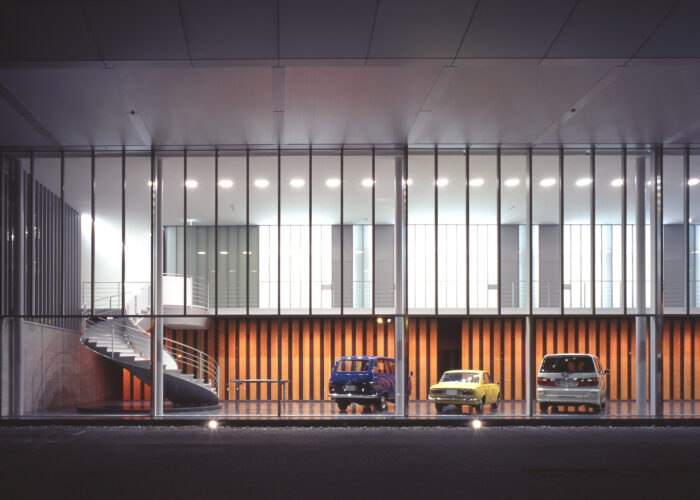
(31, 218)
(123, 292)
(216, 232)
(342, 231)
(374, 259)
(92, 232)
(435, 228)
(466, 220)
(4, 200)
(184, 235)
(623, 166)
(498, 230)
(686, 229)
(279, 231)
(311, 283)
(529, 188)
(592, 228)
(530, 346)
(247, 239)
(561, 230)
(153, 235)
(62, 246)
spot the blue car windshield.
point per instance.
(352, 365)
(464, 377)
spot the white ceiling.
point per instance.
(204, 72)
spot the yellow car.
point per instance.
(465, 387)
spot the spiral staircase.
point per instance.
(190, 376)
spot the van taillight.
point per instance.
(545, 381)
(588, 382)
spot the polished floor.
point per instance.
(365, 462)
(324, 410)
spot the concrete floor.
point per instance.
(492, 462)
(417, 409)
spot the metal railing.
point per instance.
(180, 356)
(197, 290)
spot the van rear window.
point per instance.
(352, 365)
(570, 364)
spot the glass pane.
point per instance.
(609, 185)
(294, 234)
(325, 219)
(77, 191)
(232, 251)
(694, 221)
(577, 232)
(674, 234)
(137, 242)
(546, 253)
(357, 232)
(452, 232)
(384, 217)
(173, 234)
(263, 285)
(515, 257)
(200, 184)
(108, 234)
(483, 237)
(421, 230)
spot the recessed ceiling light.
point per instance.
(226, 183)
(151, 183)
(297, 183)
(617, 182)
(548, 182)
(585, 181)
(367, 182)
(409, 182)
(693, 182)
(223, 252)
(476, 182)
(442, 182)
(512, 182)
(333, 183)
(191, 183)
(201, 252)
(261, 183)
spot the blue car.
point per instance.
(365, 380)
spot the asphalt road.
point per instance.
(195, 462)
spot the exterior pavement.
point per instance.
(377, 462)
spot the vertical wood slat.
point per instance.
(421, 393)
(508, 361)
(677, 360)
(687, 349)
(434, 376)
(262, 362)
(516, 377)
(622, 360)
(412, 358)
(666, 369)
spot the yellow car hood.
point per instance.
(454, 385)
